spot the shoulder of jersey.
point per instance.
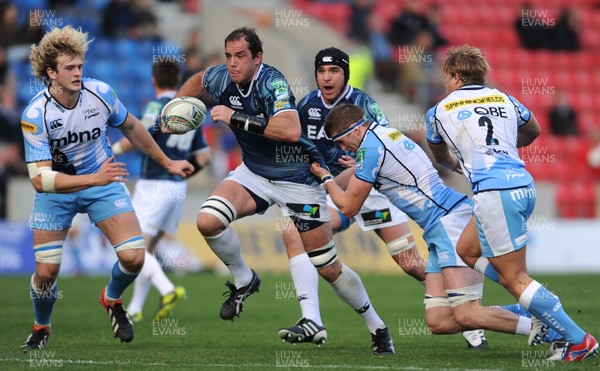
(308, 98)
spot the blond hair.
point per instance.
(66, 41)
(469, 63)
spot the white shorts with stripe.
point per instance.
(502, 219)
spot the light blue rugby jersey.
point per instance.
(74, 139)
(401, 170)
(267, 94)
(480, 125)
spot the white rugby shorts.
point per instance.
(159, 204)
(295, 200)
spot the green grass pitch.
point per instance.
(196, 338)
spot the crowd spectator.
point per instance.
(359, 18)
(563, 118)
(567, 30)
(144, 24)
(433, 16)
(386, 67)
(117, 18)
(9, 25)
(408, 24)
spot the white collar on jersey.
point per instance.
(251, 83)
(346, 95)
(471, 87)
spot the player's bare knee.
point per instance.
(131, 253)
(438, 326)
(209, 226)
(215, 215)
(461, 300)
(435, 307)
(132, 260)
(331, 272)
(46, 276)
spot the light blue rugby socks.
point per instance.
(546, 306)
(43, 299)
(120, 279)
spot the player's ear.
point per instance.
(51, 73)
(258, 59)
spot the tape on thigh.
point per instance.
(221, 208)
(465, 294)
(435, 301)
(323, 256)
(49, 252)
(136, 242)
(400, 244)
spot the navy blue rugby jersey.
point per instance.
(175, 146)
(313, 110)
(267, 94)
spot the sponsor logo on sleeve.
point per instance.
(26, 126)
(394, 135)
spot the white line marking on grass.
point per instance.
(225, 365)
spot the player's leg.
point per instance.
(50, 221)
(43, 287)
(464, 287)
(304, 275)
(503, 235)
(124, 234)
(402, 248)
(230, 201)
(438, 312)
(469, 249)
(346, 284)
(158, 205)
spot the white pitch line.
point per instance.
(226, 365)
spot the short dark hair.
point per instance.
(248, 34)
(166, 73)
(342, 117)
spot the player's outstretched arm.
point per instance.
(45, 180)
(192, 87)
(443, 156)
(528, 132)
(141, 139)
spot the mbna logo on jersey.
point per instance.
(306, 210)
(464, 114)
(377, 217)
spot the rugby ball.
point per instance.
(183, 114)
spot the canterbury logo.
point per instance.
(235, 101)
(314, 113)
(327, 59)
(121, 203)
(55, 124)
(364, 308)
